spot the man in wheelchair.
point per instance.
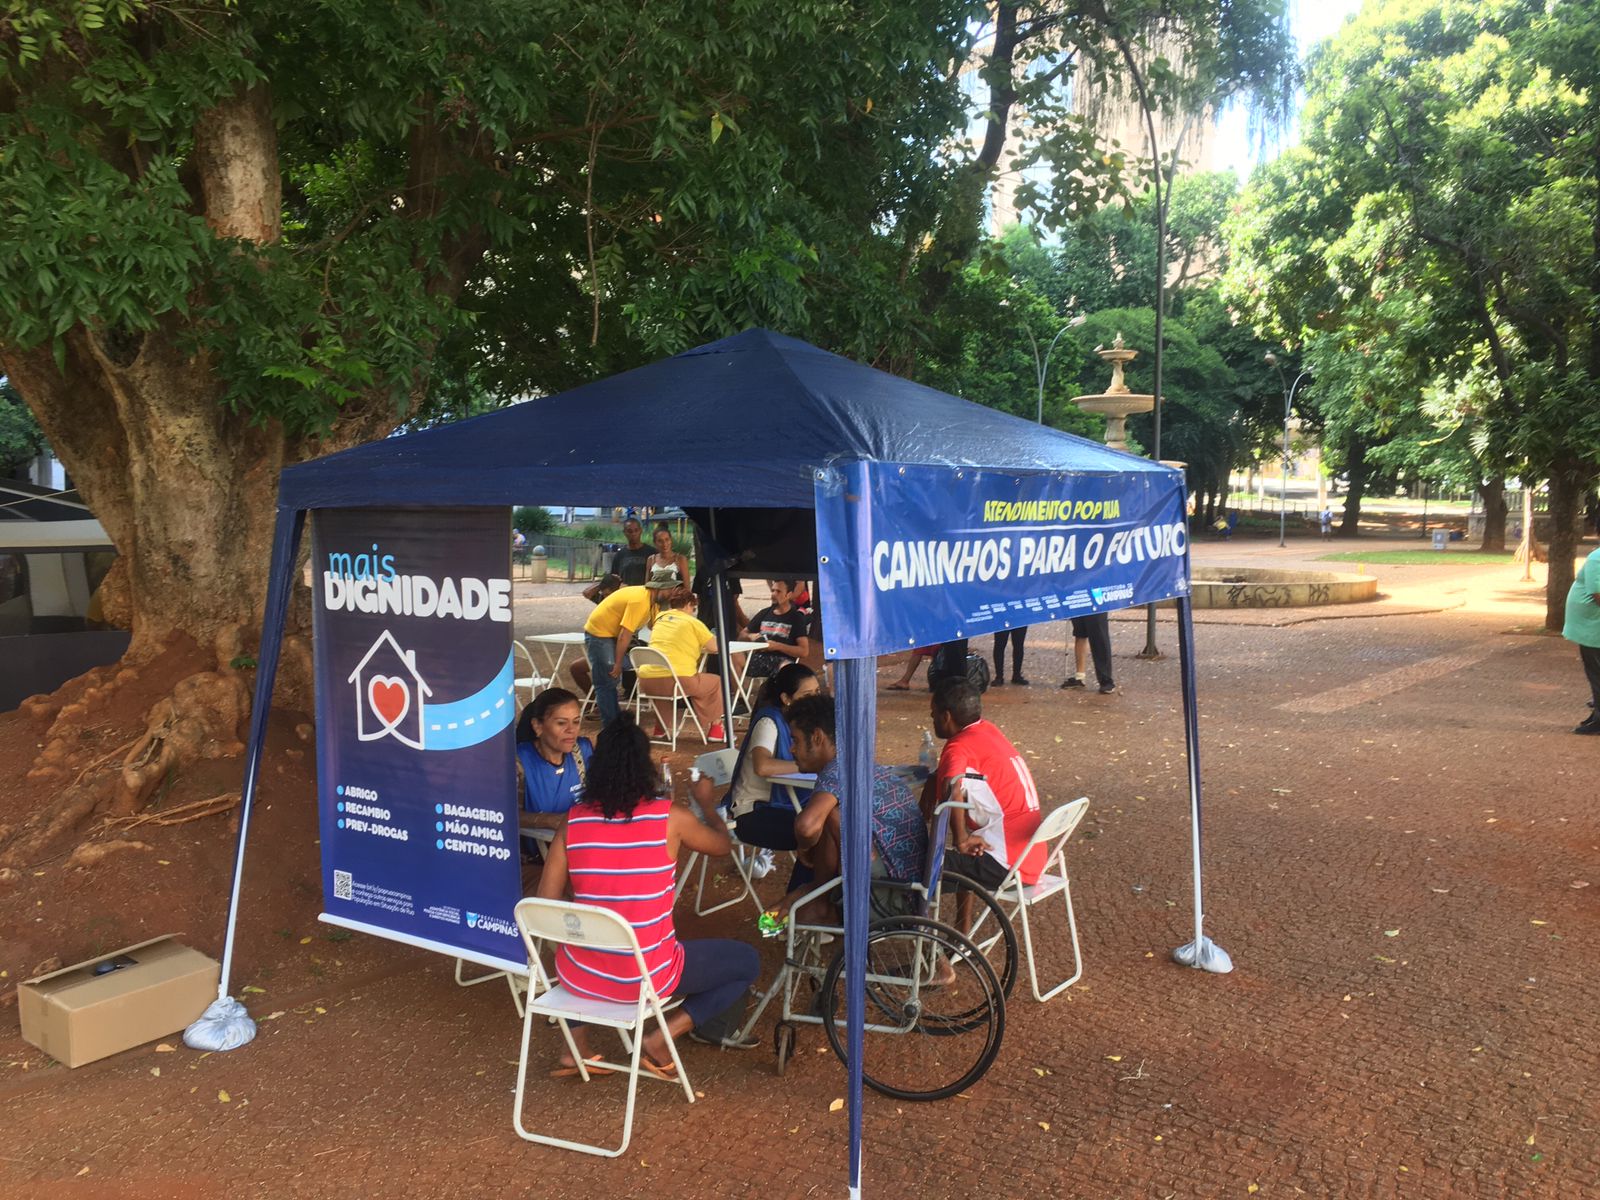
(899, 835)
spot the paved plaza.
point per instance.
(1402, 836)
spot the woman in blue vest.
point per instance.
(763, 812)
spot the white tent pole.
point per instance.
(225, 1024)
(280, 583)
(857, 740)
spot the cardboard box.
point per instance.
(154, 989)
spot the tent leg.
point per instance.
(285, 545)
(719, 597)
(857, 739)
(1202, 952)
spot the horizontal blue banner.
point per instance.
(917, 555)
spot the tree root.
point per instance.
(199, 719)
(92, 853)
(182, 814)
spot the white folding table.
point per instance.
(550, 641)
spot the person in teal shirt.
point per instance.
(1583, 627)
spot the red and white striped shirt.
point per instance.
(623, 865)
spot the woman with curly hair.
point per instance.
(619, 850)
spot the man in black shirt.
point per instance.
(631, 563)
(783, 626)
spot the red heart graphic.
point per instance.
(389, 698)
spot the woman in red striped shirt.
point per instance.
(619, 850)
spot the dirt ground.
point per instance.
(1401, 835)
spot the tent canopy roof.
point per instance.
(741, 422)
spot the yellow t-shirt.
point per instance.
(680, 637)
(627, 606)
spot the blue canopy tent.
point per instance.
(924, 518)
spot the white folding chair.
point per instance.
(526, 677)
(561, 922)
(511, 980)
(645, 656)
(1018, 898)
(717, 766)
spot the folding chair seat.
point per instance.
(561, 922)
(1019, 898)
(644, 655)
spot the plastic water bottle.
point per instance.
(666, 779)
(929, 758)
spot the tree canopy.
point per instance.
(1221, 403)
(1435, 245)
(235, 236)
(232, 237)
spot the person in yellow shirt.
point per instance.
(609, 632)
(683, 638)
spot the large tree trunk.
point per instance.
(1356, 471)
(1567, 488)
(185, 488)
(1493, 491)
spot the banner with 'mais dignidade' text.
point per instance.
(416, 712)
(913, 555)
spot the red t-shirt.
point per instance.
(1006, 812)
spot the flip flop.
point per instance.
(667, 1070)
(572, 1071)
(898, 687)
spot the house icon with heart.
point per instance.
(389, 694)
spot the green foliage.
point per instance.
(490, 197)
(494, 198)
(21, 439)
(533, 519)
(981, 350)
(1432, 244)
(1108, 259)
(1221, 404)
(1199, 422)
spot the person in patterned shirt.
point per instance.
(899, 835)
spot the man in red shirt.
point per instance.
(980, 767)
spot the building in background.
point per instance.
(1115, 115)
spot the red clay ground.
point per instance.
(1401, 832)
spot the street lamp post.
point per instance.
(1041, 367)
(1288, 405)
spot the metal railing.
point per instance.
(579, 557)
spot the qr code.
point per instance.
(343, 888)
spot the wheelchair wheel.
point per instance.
(989, 929)
(927, 1037)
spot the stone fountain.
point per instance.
(1116, 404)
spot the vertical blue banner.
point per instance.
(912, 555)
(416, 778)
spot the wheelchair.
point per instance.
(935, 993)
